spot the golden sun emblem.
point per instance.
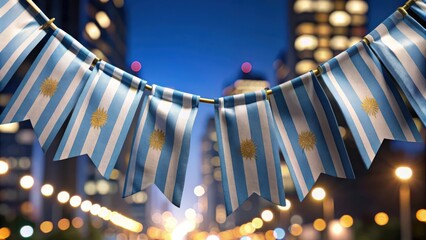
(307, 140)
(99, 118)
(157, 139)
(248, 149)
(370, 106)
(48, 87)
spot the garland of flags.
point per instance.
(66, 79)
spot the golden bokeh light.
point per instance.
(47, 190)
(319, 224)
(46, 227)
(381, 218)
(346, 221)
(421, 215)
(404, 173)
(296, 229)
(26, 182)
(63, 224)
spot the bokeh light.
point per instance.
(26, 231)
(319, 224)
(296, 229)
(136, 66)
(75, 201)
(4, 167)
(27, 182)
(318, 193)
(95, 209)
(63, 197)
(421, 215)
(246, 67)
(86, 205)
(63, 224)
(77, 222)
(267, 215)
(257, 223)
(286, 207)
(381, 218)
(346, 221)
(199, 191)
(46, 227)
(47, 190)
(279, 233)
(4, 233)
(404, 173)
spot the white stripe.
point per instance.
(227, 155)
(292, 159)
(250, 168)
(31, 80)
(409, 33)
(135, 149)
(6, 67)
(6, 7)
(60, 107)
(115, 134)
(389, 96)
(92, 136)
(404, 58)
(180, 127)
(153, 156)
(267, 144)
(361, 89)
(40, 103)
(422, 5)
(74, 128)
(16, 27)
(352, 113)
(301, 124)
(325, 126)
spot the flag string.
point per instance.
(316, 72)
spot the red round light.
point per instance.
(136, 66)
(246, 67)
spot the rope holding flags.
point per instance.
(251, 128)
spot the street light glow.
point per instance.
(286, 207)
(404, 173)
(318, 193)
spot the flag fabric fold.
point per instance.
(248, 151)
(19, 33)
(161, 142)
(308, 133)
(399, 42)
(419, 8)
(102, 117)
(370, 103)
(51, 87)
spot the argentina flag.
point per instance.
(370, 103)
(19, 33)
(399, 42)
(248, 151)
(102, 117)
(51, 87)
(161, 143)
(309, 136)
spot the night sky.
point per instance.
(198, 46)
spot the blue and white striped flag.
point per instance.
(400, 43)
(50, 89)
(419, 8)
(309, 135)
(102, 117)
(370, 103)
(161, 143)
(248, 151)
(19, 33)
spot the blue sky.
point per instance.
(197, 46)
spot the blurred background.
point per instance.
(210, 48)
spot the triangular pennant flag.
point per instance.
(399, 42)
(50, 89)
(419, 8)
(161, 143)
(19, 33)
(309, 136)
(370, 103)
(102, 117)
(248, 152)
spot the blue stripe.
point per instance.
(235, 145)
(225, 183)
(419, 11)
(273, 130)
(332, 122)
(184, 154)
(314, 126)
(2, 3)
(10, 16)
(256, 135)
(5, 56)
(171, 121)
(292, 135)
